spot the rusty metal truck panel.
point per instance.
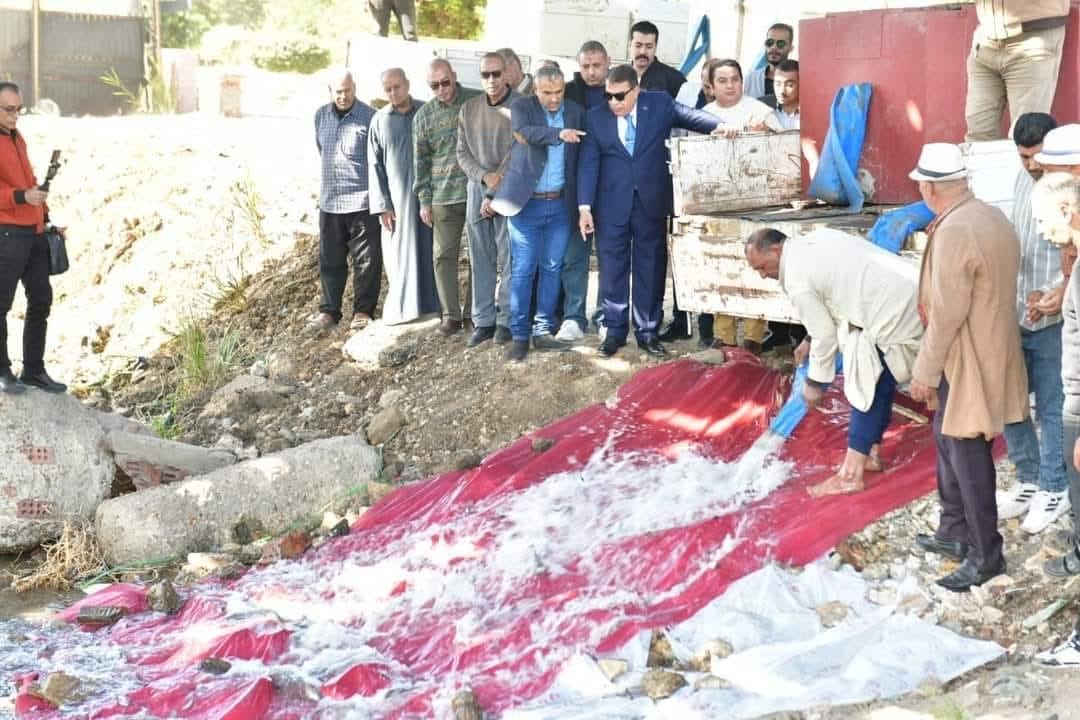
(713, 174)
(709, 267)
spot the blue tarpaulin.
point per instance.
(892, 228)
(835, 181)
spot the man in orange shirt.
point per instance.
(24, 251)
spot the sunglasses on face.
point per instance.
(491, 74)
(617, 97)
(444, 83)
(780, 44)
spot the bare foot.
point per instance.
(838, 484)
(874, 463)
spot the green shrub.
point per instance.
(291, 53)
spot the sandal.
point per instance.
(1067, 565)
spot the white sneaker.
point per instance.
(569, 332)
(1046, 507)
(1065, 655)
(1015, 501)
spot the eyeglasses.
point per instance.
(491, 74)
(780, 44)
(617, 97)
(12, 109)
(444, 83)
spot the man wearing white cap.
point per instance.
(1055, 203)
(1061, 153)
(969, 364)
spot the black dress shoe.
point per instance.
(10, 384)
(967, 575)
(517, 351)
(949, 548)
(705, 342)
(653, 347)
(43, 381)
(610, 346)
(675, 330)
(502, 334)
(448, 327)
(481, 334)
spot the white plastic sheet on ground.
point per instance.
(784, 658)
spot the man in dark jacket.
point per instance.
(652, 74)
(587, 87)
(538, 194)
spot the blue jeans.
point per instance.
(865, 429)
(538, 236)
(1045, 465)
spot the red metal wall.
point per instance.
(916, 61)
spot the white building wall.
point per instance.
(558, 27)
(122, 8)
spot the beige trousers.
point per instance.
(1021, 72)
(725, 331)
(449, 224)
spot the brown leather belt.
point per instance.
(553, 195)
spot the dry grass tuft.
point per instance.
(73, 556)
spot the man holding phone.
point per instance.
(24, 251)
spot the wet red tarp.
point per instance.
(625, 584)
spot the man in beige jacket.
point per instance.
(856, 299)
(970, 361)
(1015, 57)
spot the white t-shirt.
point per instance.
(744, 113)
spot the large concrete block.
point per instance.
(53, 465)
(197, 514)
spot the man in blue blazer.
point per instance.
(538, 194)
(624, 194)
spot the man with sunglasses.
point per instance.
(623, 183)
(24, 251)
(440, 187)
(779, 42)
(483, 150)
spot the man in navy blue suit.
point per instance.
(623, 182)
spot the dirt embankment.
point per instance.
(165, 214)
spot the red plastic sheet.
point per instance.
(483, 579)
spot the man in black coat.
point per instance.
(652, 74)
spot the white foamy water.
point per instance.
(471, 572)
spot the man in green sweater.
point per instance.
(483, 149)
(440, 186)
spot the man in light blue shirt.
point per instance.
(538, 195)
(1040, 493)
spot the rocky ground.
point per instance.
(198, 220)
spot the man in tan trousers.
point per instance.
(1014, 59)
(970, 361)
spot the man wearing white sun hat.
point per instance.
(970, 364)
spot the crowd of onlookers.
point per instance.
(536, 173)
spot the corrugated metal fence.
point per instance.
(76, 50)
